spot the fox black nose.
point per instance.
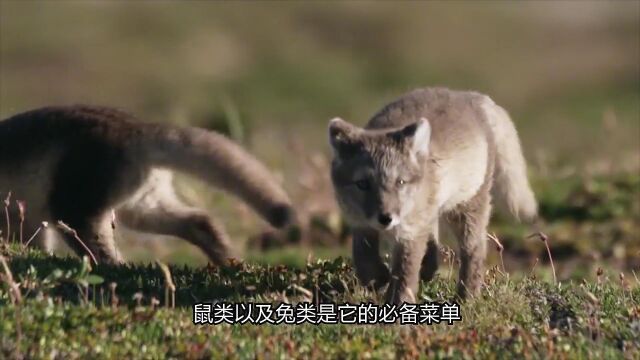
(384, 219)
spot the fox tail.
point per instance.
(512, 185)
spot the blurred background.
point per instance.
(271, 74)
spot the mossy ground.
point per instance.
(69, 311)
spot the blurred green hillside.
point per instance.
(560, 68)
(273, 73)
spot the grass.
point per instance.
(69, 312)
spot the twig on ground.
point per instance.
(533, 268)
(21, 210)
(154, 302)
(67, 229)
(114, 297)
(169, 285)
(43, 225)
(544, 238)
(593, 323)
(16, 299)
(16, 296)
(138, 298)
(7, 201)
(500, 249)
(624, 285)
(307, 293)
(450, 257)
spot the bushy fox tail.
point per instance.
(511, 183)
(216, 159)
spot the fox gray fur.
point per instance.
(83, 164)
(433, 153)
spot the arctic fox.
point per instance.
(432, 153)
(83, 164)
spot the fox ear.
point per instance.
(342, 136)
(418, 135)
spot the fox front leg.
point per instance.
(369, 267)
(405, 273)
(430, 259)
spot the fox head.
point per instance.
(378, 175)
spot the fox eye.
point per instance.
(401, 182)
(363, 184)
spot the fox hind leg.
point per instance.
(96, 234)
(85, 210)
(161, 212)
(91, 177)
(469, 224)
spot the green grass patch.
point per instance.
(69, 310)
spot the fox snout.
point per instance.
(387, 212)
(386, 220)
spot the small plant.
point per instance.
(7, 202)
(69, 231)
(21, 211)
(7, 277)
(500, 249)
(43, 225)
(545, 239)
(170, 287)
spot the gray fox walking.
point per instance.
(433, 153)
(82, 164)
